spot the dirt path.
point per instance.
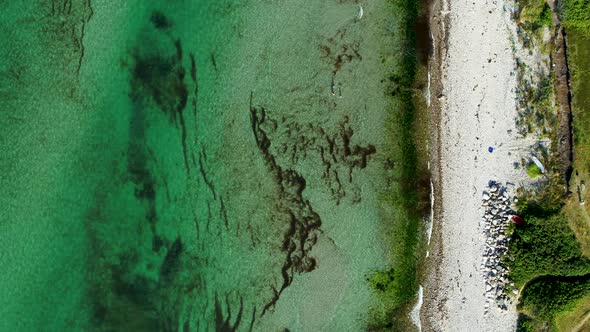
(582, 324)
(562, 96)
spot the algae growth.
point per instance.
(201, 165)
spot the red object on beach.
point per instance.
(517, 220)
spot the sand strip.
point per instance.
(474, 108)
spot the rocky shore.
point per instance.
(497, 203)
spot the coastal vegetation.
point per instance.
(396, 286)
(576, 14)
(546, 245)
(549, 256)
(545, 256)
(547, 297)
(538, 115)
(537, 12)
(533, 171)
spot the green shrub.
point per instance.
(544, 245)
(533, 171)
(546, 18)
(546, 297)
(536, 13)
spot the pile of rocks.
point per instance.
(498, 211)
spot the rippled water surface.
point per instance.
(194, 165)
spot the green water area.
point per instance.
(197, 165)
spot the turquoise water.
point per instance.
(193, 165)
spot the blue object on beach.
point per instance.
(491, 149)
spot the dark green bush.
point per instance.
(544, 245)
(548, 296)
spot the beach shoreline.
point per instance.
(438, 30)
(474, 141)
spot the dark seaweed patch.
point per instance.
(138, 291)
(157, 243)
(193, 73)
(178, 46)
(208, 182)
(137, 163)
(161, 79)
(193, 68)
(145, 190)
(223, 324)
(122, 296)
(213, 61)
(338, 52)
(171, 260)
(303, 223)
(160, 21)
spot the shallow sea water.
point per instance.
(193, 165)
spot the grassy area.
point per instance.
(570, 320)
(579, 63)
(396, 286)
(579, 222)
(549, 255)
(576, 14)
(547, 298)
(577, 20)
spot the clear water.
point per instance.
(193, 165)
